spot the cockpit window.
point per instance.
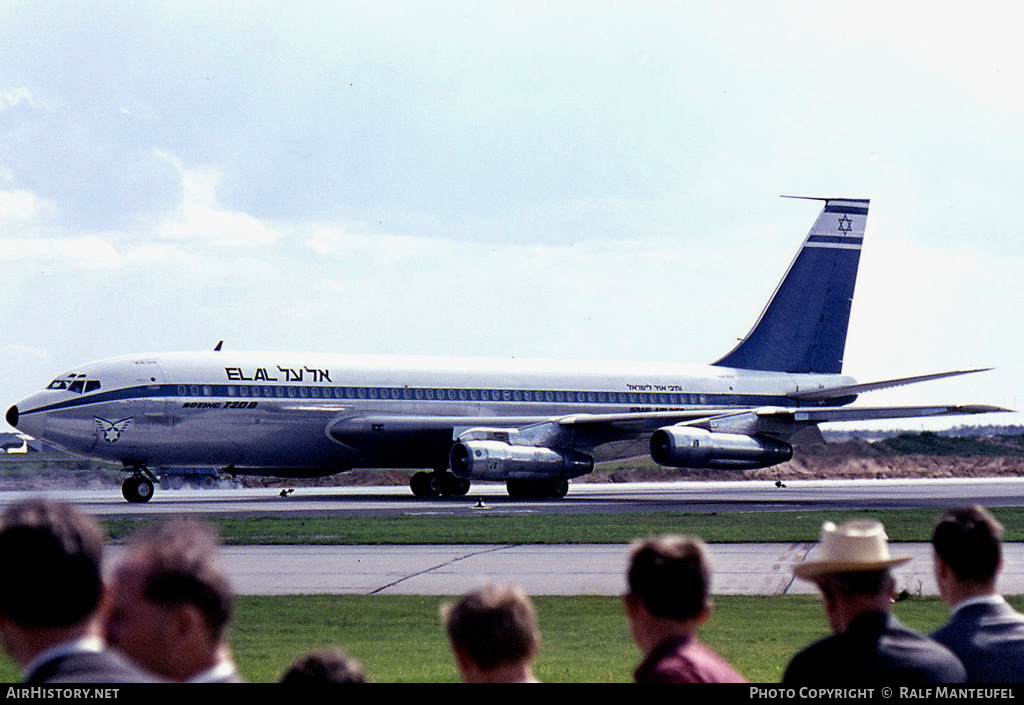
(79, 386)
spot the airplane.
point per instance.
(531, 424)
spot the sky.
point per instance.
(570, 180)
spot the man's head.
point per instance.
(968, 551)
(52, 555)
(170, 602)
(324, 666)
(668, 588)
(493, 628)
(969, 540)
(671, 576)
(852, 570)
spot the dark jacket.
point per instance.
(89, 667)
(875, 648)
(988, 637)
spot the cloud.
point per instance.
(14, 97)
(84, 251)
(200, 218)
(18, 205)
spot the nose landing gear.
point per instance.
(139, 487)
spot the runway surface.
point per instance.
(740, 496)
(550, 570)
(739, 569)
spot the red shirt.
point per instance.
(685, 660)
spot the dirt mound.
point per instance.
(854, 459)
(830, 465)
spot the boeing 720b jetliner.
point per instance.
(533, 425)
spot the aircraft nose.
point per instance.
(32, 424)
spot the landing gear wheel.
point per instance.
(437, 484)
(454, 486)
(537, 489)
(426, 484)
(559, 488)
(137, 489)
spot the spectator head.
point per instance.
(53, 556)
(671, 576)
(852, 570)
(170, 601)
(324, 666)
(968, 540)
(492, 628)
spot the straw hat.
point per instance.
(852, 547)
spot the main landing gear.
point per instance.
(537, 489)
(139, 486)
(439, 483)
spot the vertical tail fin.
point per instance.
(803, 327)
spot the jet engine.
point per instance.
(689, 447)
(496, 460)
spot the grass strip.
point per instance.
(491, 528)
(399, 639)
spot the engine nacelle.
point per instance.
(688, 447)
(495, 460)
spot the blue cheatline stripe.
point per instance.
(419, 394)
(836, 239)
(849, 210)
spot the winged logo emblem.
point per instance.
(111, 430)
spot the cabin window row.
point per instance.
(428, 394)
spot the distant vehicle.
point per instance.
(531, 424)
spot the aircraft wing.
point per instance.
(779, 422)
(598, 428)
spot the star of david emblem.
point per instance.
(845, 225)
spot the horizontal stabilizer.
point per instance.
(852, 389)
(868, 413)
